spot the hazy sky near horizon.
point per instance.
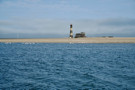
(51, 18)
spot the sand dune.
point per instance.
(75, 40)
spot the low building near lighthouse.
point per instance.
(80, 35)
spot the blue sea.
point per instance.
(59, 66)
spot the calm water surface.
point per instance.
(67, 66)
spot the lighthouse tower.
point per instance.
(71, 32)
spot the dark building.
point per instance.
(80, 35)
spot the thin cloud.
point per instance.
(53, 26)
(119, 22)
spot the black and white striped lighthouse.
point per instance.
(71, 32)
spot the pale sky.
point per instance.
(51, 18)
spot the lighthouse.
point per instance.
(71, 32)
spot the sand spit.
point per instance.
(73, 40)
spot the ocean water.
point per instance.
(52, 66)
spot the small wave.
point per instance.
(28, 43)
(7, 42)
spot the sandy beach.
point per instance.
(73, 40)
